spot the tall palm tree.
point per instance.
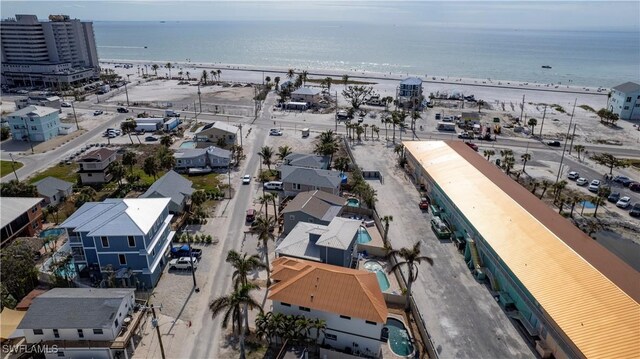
(219, 72)
(480, 105)
(345, 79)
(488, 154)
(266, 326)
(579, 150)
(534, 185)
(304, 75)
(166, 140)
(276, 81)
(213, 74)
(117, 171)
(155, 68)
(375, 129)
(327, 145)
(151, 167)
(129, 159)
(234, 306)
(266, 153)
(341, 164)
(545, 186)
(264, 227)
(290, 74)
(169, 66)
(558, 187)
(600, 198)
(386, 220)
(415, 116)
(328, 81)
(410, 258)
(525, 157)
(266, 200)
(243, 265)
(284, 151)
(128, 126)
(575, 199)
(204, 77)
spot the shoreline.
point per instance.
(431, 79)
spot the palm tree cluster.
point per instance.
(296, 329)
(508, 161)
(327, 145)
(360, 129)
(163, 159)
(129, 126)
(235, 306)
(410, 258)
(362, 189)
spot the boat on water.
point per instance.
(546, 66)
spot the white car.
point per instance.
(275, 132)
(65, 104)
(582, 181)
(246, 179)
(573, 175)
(183, 263)
(594, 186)
(624, 202)
(98, 112)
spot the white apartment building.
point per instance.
(59, 51)
(625, 101)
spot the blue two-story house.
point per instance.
(34, 123)
(128, 237)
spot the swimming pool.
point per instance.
(363, 235)
(51, 232)
(588, 204)
(399, 340)
(353, 202)
(383, 281)
(188, 144)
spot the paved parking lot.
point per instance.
(461, 316)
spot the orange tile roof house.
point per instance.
(349, 300)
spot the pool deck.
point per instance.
(394, 286)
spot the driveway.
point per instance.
(460, 314)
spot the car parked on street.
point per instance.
(246, 179)
(183, 263)
(582, 181)
(65, 104)
(465, 136)
(183, 251)
(275, 132)
(634, 186)
(98, 112)
(614, 197)
(122, 110)
(573, 175)
(554, 143)
(424, 203)
(624, 202)
(150, 139)
(635, 211)
(594, 186)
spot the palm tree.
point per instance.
(600, 198)
(155, 68)
(267, 79)
(86, 194)
(166, 159)
(284, 151)
(327, 145)
(266, 326)
(151, 167)
(558, 187)
(480, 104)
(276, 81)
(579, 150)
(411, 258)
(328, 81)
(532, 123)
(243, 265)
(128, 126)
(489, 153)
(266, 153)
(129, 159)
(345, 79)
(264, 227)
(303, 75)
(525, 157)
(169, 66)
(534, 186)
(265, 200)
(545, 186)
(188, 75)
(219, 72)
(415, 115)
(375, 129)
(204, 77)
(166, 140)
(341, 164)
(231, 305)
(213, 74)
(508, 163)
(290, 74)
(575, 198)
(386, 220)
(117, 171)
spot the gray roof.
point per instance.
(341, 233)
(298, 243)
(306, 91)
(190, 153)
(307, 160)
(218, 152)
(411, 81)
(49, 186)
(628, 87)
(171, 185)
(75, 308)
(310, 176)
(13, 207)
(220, 126)
(117, 217)
(38, 111)
(319, 204)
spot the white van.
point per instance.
(273, 185)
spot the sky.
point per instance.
(551, 15)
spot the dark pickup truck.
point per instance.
(183, 251)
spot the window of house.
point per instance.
(296, 186)
(331, 336)
(122, 259)
(304, 309)
(626, 107)
(628, 99)
(285, 304)
(345, 317)
(16, 127)
(105, 242)
(370, 322)
(132, 241)
(116, 323)
(97, 331)
(80, 333)
(60, 354)
(37, 332)
(90, 175)
(56, 334)
(34, 209)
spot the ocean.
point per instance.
(581, 58)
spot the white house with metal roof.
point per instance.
(130, 236)
(83, 323)
(625, 101)
(54, 190)
(34, 123)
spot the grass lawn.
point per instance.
(5, 167)
(144, 178)
(210, 181)
(63, 172)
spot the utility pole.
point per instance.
(199, 98)
(28, 134)
(564, 149)
(193, 272)
(126, 91)
(336, 111)
(13, 167)
(573, 135)
(73, 107)
(240, 126)
(543, 116)
(154, 323)
(229, 177)
(195, 112)
(522, 108)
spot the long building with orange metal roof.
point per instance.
(572, 297)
